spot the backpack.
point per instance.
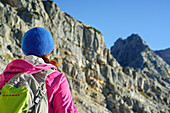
(25, 93)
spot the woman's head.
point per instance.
(37, 41)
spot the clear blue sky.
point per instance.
(120, 18)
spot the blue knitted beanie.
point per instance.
(37, 41)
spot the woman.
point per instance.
(37, 44)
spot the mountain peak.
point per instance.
(134, 52)
(128, 50)
(136, 39)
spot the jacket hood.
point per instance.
(34, 60)
(21, 66)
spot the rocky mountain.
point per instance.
(165, 54)
(135, 53)
(135, 80)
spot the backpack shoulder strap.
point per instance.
(41, 76)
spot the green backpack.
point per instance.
(14, 100)
(25, 93)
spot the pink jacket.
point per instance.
(58, 92)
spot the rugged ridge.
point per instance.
(164, 54)
(135, 53)
(99, 84)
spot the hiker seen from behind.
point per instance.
(33, 84)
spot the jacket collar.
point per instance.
(34, 60)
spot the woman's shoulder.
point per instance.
(55, 77)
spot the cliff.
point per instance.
(100, 83)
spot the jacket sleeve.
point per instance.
(2, 80)
(62, 98)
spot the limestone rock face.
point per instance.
(99, 84)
